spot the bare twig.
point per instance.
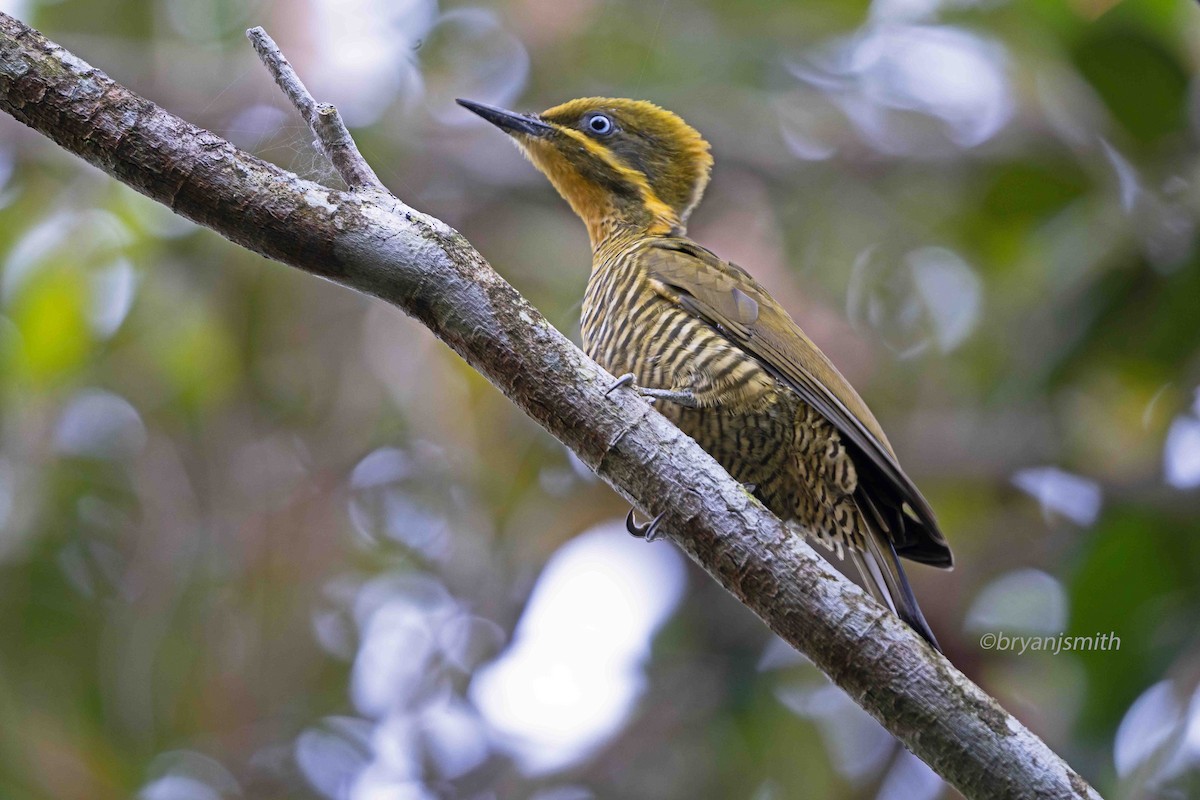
(373, 243)
(324, 119)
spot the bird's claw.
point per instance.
(649, 531)
(624, 380)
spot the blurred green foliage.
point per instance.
(213, 468)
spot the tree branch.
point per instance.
(374, 243)
(326, 123)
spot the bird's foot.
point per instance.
(649, 531)
(682, 398)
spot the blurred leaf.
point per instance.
(50, 313)
(1026, 191)
(198, 358)
(1132, 297)
(1148, 106)
(1138, 580)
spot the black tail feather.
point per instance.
(885, 578)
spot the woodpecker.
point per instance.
(722, 359)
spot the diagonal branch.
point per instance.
(373, 243)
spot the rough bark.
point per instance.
(370, 241)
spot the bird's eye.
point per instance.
(600, 124)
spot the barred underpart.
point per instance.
(754, 425)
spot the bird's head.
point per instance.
(619, 163)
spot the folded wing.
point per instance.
(728, 298)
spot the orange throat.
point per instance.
(633, 206)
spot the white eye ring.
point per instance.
(600, 124)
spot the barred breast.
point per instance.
(754, 425)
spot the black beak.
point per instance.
(509, 121)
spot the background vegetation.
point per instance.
(261, 537)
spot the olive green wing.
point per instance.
(728, 298)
